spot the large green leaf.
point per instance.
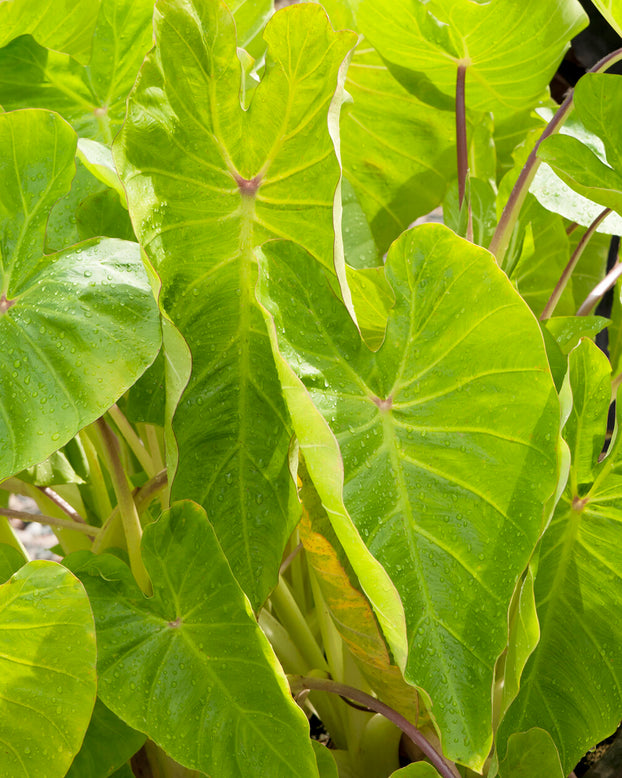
(190, 666)
(47, 670)
(612, 11)
(448, 438)
(64, 25)
(597, 176)
(531, 755)
(92, 98)
(77, 328)
(108, 744)
(495, 40)
(578, 587)
(398, 153)
(206, 183)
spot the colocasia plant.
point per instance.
(335, 491)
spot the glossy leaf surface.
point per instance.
(77, 328)
(47, 692)
(578, 586)
(107, 745)
(207, 182)
(91, 98)
(63, 25)
(444, 436)
(429, 40)
(531, 755)
(189, 666)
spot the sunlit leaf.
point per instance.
(78, 327)
(47, 692)
(170, 665)
(445, 482)
(206, 183)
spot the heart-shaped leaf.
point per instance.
(448, 443)
(77, 328)
(63, 25)
(190, 666)
(47, 670)
(427, 42)
(207, 182)
(578, 586)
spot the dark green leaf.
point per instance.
(171, 665)
(77, 328)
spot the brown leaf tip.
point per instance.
(5, 304)
(384, 405)
(248, 186)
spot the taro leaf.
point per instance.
(172, 665)
(416, 770)
(531, 754)
(91, 98)
(349, 608)
(578, 589)
(325, 763)
(568, 330)
(398, 161)
(584, 167)
(612, 11)
(358, 242)
(107, 745)
(581, 169)
(54, 470)
(206, 183)
(64, 25)
(448, 438)
(427, 41)
(615, 330)
(102, 214)
(10, 561)
(47, 670)
(77, 328)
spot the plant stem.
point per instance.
(142, 497)
(600, 289)
(132, 440)
(442, 765)
(501, 238)
(51, 520)
(289, 615)
(461, 133)
(127, 506)
(568, 270)
(62, 504)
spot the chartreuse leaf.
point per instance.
(325, 763)
(10, 561)
(531, 754)
(350, 609)
(47, 670)
(578, 587)
(568, 330)
(170, 665)
(396, 181)
(612, 11)
(615, 331)
(429, 41)
(597, 99)
(448, 443)
(92, 98)
(206, 183)
(77, 328)
(64, 25)
(416, 770)
(107, 745)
